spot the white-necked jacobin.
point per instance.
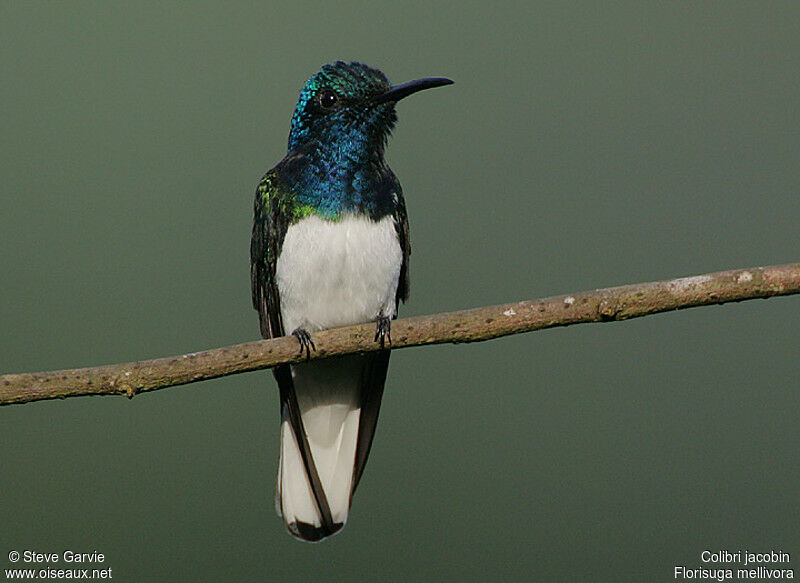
(330, 248)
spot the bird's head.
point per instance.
(350, 106)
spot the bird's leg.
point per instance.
(383, 330)
(304, 338)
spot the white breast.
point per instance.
(338, 273)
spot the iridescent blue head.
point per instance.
(348, 108)
(339, 130)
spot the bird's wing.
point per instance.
(401, 226)
(269, 229)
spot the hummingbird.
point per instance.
(330, 248)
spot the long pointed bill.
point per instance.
(398, 92)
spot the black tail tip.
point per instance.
(312, 533)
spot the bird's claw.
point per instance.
(304, 338)
(383, 330)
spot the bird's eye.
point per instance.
(327, 99)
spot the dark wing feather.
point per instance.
(400, 217)
(373, 379)
(269, 230)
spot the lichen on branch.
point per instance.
(475, 325)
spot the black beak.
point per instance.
(398, 92)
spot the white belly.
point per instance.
(338, 273)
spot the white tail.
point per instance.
(329, 397)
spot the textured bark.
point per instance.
(603, 305)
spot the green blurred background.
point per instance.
(581, 147)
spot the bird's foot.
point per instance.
(304, 338)
(383, 330)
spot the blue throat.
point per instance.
(341, 169)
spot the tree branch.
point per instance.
(603, 305)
